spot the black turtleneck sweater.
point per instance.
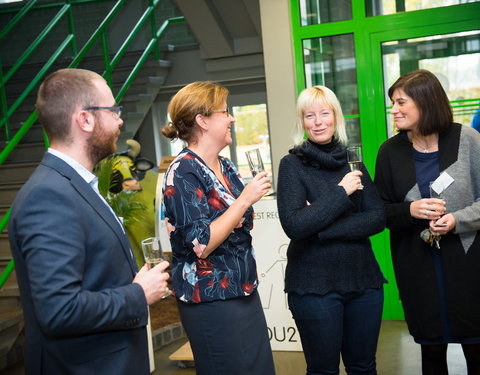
(330, 249)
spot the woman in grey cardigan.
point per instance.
(438, 277)
(333, 281)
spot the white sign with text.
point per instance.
(270, 244)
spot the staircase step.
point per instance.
(12, 361)
(27, 152)
(137, 103)
(12, 280)
(3, 209)
(11, 325)
(10, 318)
(157, 80)
(11, 291)
(121, 74)
(10, 294)
(164, 63)
(143, 84)
(17, 171)
(34, 134)
(8, 192)
(4, 246)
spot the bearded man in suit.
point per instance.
(84, 302)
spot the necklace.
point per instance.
(425, 148)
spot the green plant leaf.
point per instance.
(123, 203)
(103, 170)
(125, 206)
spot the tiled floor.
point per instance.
(397, 355)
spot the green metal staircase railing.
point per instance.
(66, 11)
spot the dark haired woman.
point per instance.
(210, 215)
(435, 242)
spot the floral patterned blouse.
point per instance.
(194, 198)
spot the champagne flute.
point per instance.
(255, 162)
(436, 191)
(354, 159)
(153, 254)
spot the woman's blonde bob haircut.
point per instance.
(325, 97)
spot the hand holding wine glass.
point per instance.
(255, 162)
(436, 223)
(354, 159)
(153, 254)
(437, 201)
(445, 222)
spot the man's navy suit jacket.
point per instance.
(74, 267)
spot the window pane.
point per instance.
(314, 12)
(381, 7)
(250, 131)
(453, 58)
(330, 61)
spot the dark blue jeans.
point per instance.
(334, 324)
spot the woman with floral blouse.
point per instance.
(209, 214)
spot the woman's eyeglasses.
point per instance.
(227, 111)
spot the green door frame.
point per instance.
(369, 33)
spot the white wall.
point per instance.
(279, 75)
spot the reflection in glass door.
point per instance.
(330, 61)
(453, 58)
(382, 7)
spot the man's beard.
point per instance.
(100, 144)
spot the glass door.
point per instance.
(453, 58)
(452, 53)
(330, 61)
(358, 48)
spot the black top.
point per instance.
(330, 250)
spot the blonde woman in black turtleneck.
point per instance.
(333, 281)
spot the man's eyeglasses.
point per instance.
(116, 111)
(227, 111)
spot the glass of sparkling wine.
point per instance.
(153, 254)
(436, 191)
(354, 159)
(255, 162)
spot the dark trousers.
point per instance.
(334, 324)
(228, 337)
